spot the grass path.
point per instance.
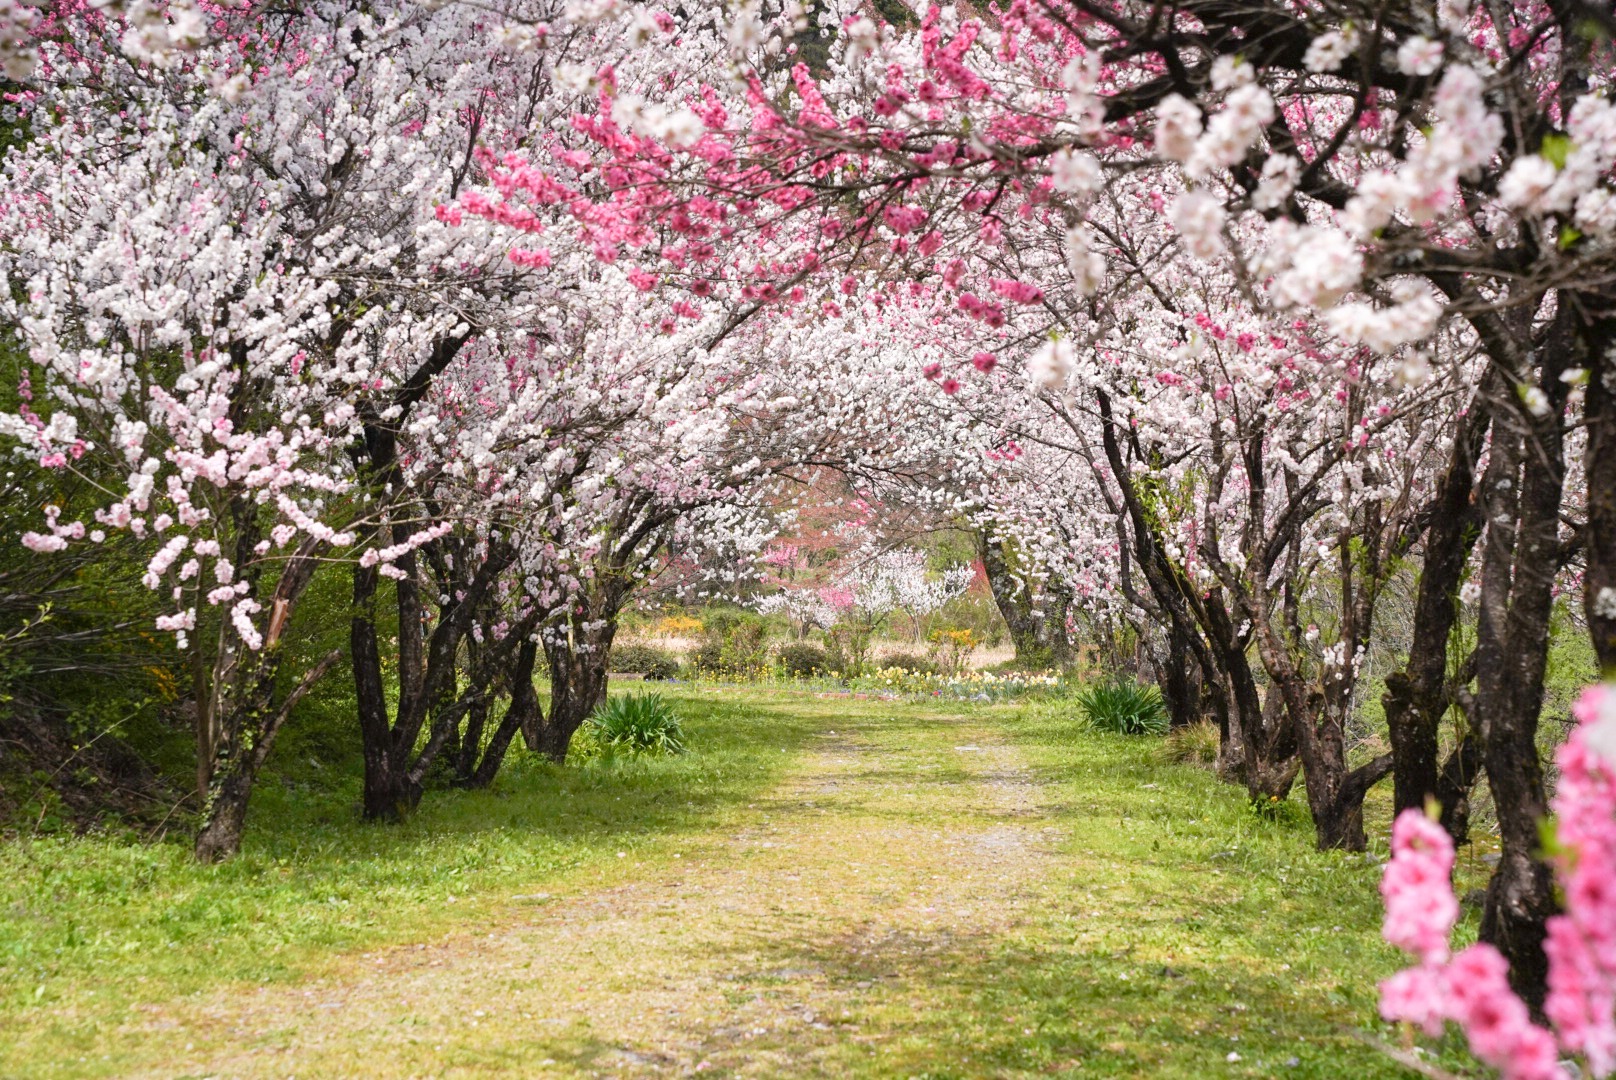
(780, 948)
(920, 894)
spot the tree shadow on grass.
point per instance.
(878, 1001)
(142, 921)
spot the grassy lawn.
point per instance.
(91, 927)
(826, 886)
(1194, 927)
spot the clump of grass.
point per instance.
(1194, 744)
(638, 724)
(1123, 707)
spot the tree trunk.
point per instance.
(386, 748)
(1268, 748)
(1052, 639)
(1267, 735)
(471, 739)
(1337, 819)
(1521, 494)
(230, 782)
(1454, 784)
(1268, 777)
(1338, 825)
(1335, 793)
(1180, 681)
(1417, 697)
(394, 771)
(241, 716)
(207, 721)
(523, 715)
(382, 798)
(248, 729)
(1031, 631)
(1231, 767)
(577, 687)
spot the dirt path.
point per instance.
(807, 942)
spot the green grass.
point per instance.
(90, 926)
(1194, 928)
(1159, 926)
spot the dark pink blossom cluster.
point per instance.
(1581, 944)
(990, 313)
(1472, 988)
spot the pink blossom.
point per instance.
(1420, 907)
(42, 543)
(1019, 292)
(1495, 1021)
(1417, 995)
(1581, 944)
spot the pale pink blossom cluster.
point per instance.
(867, 584)
(416, 540)
(59, 535)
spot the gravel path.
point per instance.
(801, 943)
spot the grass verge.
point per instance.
(94, 926)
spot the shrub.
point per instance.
(910, 663)
(1021, 665)
(637, 658)
(952, 646)
(677, 626)
(639, 724)
(1194, 744)
(803, 660)
(733, 643)
(1123, 707)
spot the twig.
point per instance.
(1405, 1058)
(160, 829)
(68, 761)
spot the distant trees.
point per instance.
(855, 597)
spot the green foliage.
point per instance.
(638, 724)
(849, 648)
(1555, 148)
(1022, 665)
(93, 699)
(803, 660)
(970, 611)
(638, 658)
(734, 644)
(1288, 812)
(1123, 707)
(897, 13)
(320, 740)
